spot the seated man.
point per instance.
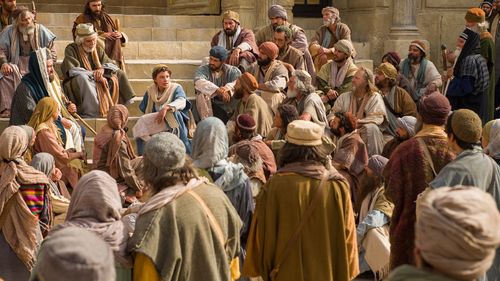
(92, 81)
(291, 57)
(6, 9)
(335, 77)
(367, 105)
(405, 129)
(214, 85)
(41, 82)
(271, 75)
(107, 28)
(323, 41)
(17, 41)
(240, 42)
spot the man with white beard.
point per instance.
(17, 41)
(93, 82)
(301, 94)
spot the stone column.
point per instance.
(404, 18)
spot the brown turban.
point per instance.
(277, 11)
(117, 120)
(388, 70)
(457, 231)
(248, 82)
(269, 49)
(419, 45)
(434, 109)
(231, 15)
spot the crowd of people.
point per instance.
(291, 163)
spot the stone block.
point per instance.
(131, 51)
(139, 33)
(164, 34)
(364, 63)
(181, 69)
(55, 19)
(62, 32)
(195, 50)
(451, 4)
(160, 50)
(186, 21)
(137, 21)
(198, 34)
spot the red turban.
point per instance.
(269, 49)
(248, 82)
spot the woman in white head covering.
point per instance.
(491, 139)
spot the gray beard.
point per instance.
(27, 31)
(329, 22)
(88, 50)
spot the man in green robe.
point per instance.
(325, 247)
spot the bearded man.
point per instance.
(335, 77)
(41, 82)
(322, 44)
(214, 86)
(404, 131)
(367, 105)
(271, 75)
(398, 102)
(240, 42)
(17, 41)
(291, 57)
(6, 9)
(421, 72)
(107, 29)
(93, 82)
(489, 12)
(278, 16)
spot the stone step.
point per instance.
(149, 33)
(141, 69)
(154, 50)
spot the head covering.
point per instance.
(304, 133)
(246, 122)
(117, 120)
(77, 253)
(165, 151)
(388, 70)
(13, 173)
(303, 81)
(393, 58)
(491, 133)
(85, 30)
(219, 52)
(457, 231)
(29, 132)
(475, 15)
(466, 125)
(43, 162)
(486, 3)
(269, 49)
(472, 46)
(231, 15)
(377, 163)
(434, 109)
(248, 82)
(408, 123)
(249, 156)
(210, 143)
(35, 78)
(96, 206)
(288, 32)
(277, 11)
(42, 116)
(420, 45)
(345, 46)
(332, 10)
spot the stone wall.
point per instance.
(437, 21)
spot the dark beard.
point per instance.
(96, 15)
(213, 67)
(263, 62)
(414, 59)
(230, 32)
(238, 93)
(336, 132)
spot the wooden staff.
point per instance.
(33, 7)
(444, 53)
(122, 62)
(84, 123)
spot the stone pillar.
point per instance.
(404, 18)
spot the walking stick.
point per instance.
(445, 67)
(84, 123)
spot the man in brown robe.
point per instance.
(107, 29)
(278, 16)
(92, 81)
(332, 30)
(412, 166)
(240, 42)
(291, 57)
(350, 156)
(325, 247)
(398, 102)
(6, 9)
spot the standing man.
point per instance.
(411, 167)
(489, 12)
(335, 77)
(214, 85)
(271, 75)
(469, 86)
(107, 29)
(398, 102)
(278, 16)
(6, 9)
(17, 41)
(332, 30)
(291, 57)
(238, 41)
(367, 105)
(285, 244)
(495, 32)
(421, 72)
(92, 81)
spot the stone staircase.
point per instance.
(181, 42)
